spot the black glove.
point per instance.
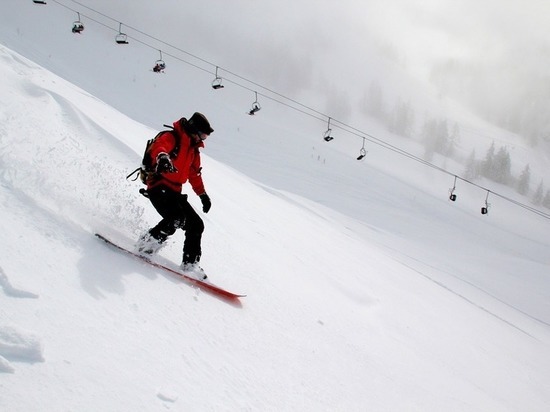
(164, 164)
(206, 203)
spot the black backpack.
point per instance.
(146, 170)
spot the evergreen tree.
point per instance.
(537, 198)
(487, 164)
(436, 137)
(454, 139)
(524, 181)
(472, 167)
(502, 166)
(546, 200)
(402, 119)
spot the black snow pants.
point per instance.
(177, 213)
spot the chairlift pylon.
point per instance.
(121, 38)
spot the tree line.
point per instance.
(438, 137)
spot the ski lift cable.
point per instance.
(320, 116)
(226, 79)
(253, 83)
(294, 104)
(90, 18)
(134, 39)
(135, 29)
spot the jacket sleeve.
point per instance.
(195, 177)
(163, 144)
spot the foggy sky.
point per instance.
(238, 33)
(332, 46)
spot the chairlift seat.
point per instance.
(159, 66)
(255, 108)
(121, 38)
(78, 27)
(217, 83)
(327, 137)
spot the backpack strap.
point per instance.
(144, 170)
(177, 144)
(135, 172)
(177, 140)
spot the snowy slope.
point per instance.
(367, 291)
(331, 320)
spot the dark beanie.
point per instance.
(200, 122)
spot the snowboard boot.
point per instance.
(147, 245)
(193, 270)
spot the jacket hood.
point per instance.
(184, 129)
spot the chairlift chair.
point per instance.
(39, 1)
(485, 209)
(327, 137)
(121, 38)
(217, 82)
(362, 152)
(160, 65)
(255, 106)
(452, 194)
(78, 27)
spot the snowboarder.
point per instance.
(176, 160)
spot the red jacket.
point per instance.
(187, 162)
